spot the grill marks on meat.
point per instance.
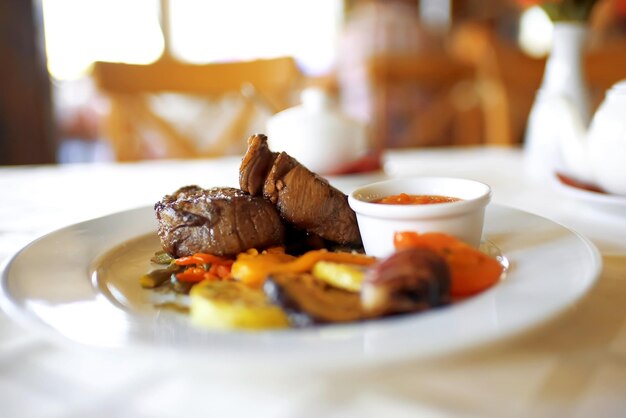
(310, 203)
(304, 199)
(221, 221)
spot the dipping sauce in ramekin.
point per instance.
(415, 199)
(461, 216)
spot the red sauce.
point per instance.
(415, 199)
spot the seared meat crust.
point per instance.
(255, 165)
(304, 199)
(221, 221)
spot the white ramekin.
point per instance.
(463, 219)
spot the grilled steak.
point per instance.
(255, 165)
(220, 221)
(304, 199)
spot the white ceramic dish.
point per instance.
(606, 202)
(81, 283)
(463, 219)
(318, 120)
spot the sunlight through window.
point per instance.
(247, 29)
(79, 32)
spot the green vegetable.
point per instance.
(161, 257)
(158, 277)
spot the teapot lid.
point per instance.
(315, 98)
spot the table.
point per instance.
(574, 365)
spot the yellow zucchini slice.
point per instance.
(233, 305)
(341, 275)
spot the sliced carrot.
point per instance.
(211, 276)
(222, 271)
(202, 258)
(218, 267)
(471, 270)
(191, 274)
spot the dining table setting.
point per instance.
(548, 340)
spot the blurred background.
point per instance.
(115, 80)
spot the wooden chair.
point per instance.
(507, 79)
(605, 65)
(423, 101)
(138, 132)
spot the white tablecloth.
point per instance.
(574, 365)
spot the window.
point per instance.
(79, 32)
(246, 29)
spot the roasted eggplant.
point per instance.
(308, 301)
(409, 280)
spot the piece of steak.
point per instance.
(255, 164)
(221, 221)
(304, 199)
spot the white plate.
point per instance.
(604, 201)
(81, 283)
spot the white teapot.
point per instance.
(597, 155)
(317, 133)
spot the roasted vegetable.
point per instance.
(306, 300)
(202, 266)
(252, 269)
(161, 257)
(232, 305)
(471, 270)
(157, 277)
(409, 280)
(341, 275)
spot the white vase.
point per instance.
(563, 78)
